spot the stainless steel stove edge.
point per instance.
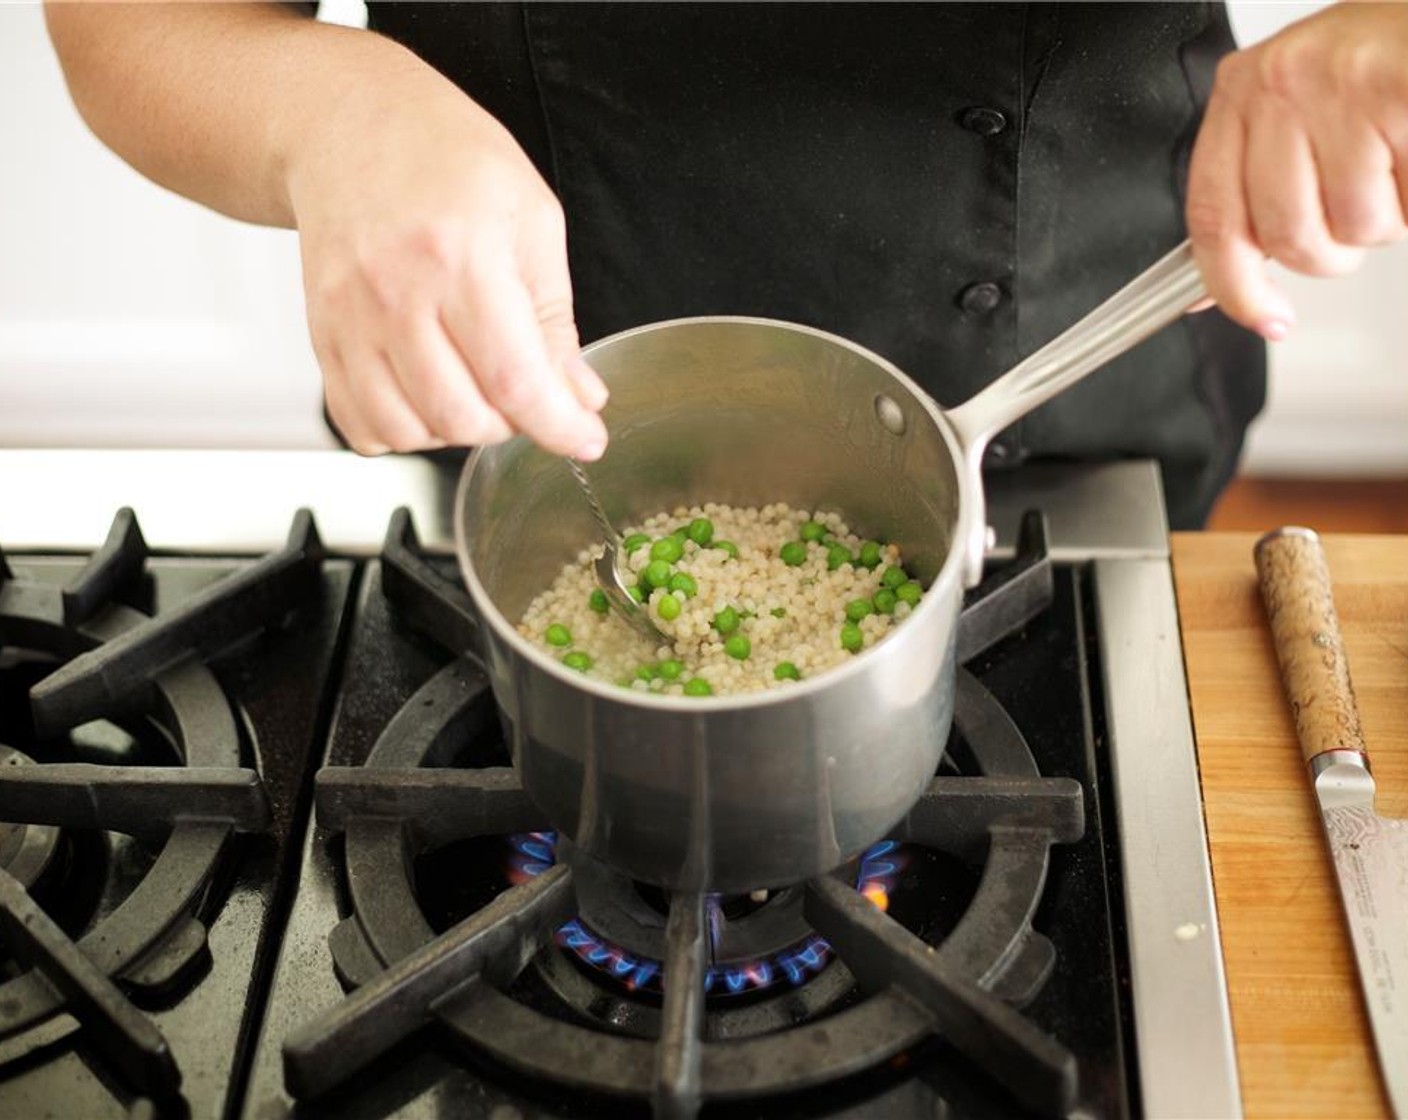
(1113, 515)
(230, 501)
(1182, 1021)
(1093, 510)
(220, 502)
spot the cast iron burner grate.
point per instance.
(408, 800)
(120, 664)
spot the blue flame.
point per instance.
(535, 852)
(876, 868)
(634, 973)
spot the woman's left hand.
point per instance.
(1302, 157)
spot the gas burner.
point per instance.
(402, 802)
(112, 685)
(417, 793)
(26, 850)
(756, 940)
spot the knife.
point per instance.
(1370, 852)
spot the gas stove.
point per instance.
(267, 854)
(158, 716)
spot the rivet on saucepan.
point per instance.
(890, 415)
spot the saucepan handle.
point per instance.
(1147, 304)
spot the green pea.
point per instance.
(558, 635)
(858, 609)
(634, 541)
(668, 549)
(869, 555)
(909, 592)
(656, 574)
(636, 592)
(893, 576)
(697, 686)
(726, 621)
(577, 660)
(681, 534)
(738, 646)
(851, 637)
(812, 531)
(683, 581)
(779, 612)
(597, 601)
(647, 673)
(785, 671)
(668, 608)
(793, 553)
(701, 531)
(837, 555)
(885, 601)
(729, 547)
(671, 669)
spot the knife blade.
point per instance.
(1370, 852)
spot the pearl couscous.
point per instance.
(750, 599)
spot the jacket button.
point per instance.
(999, 452)
(980, 298)
(983, 121)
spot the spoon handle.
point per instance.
(603, 522)
(609, 576)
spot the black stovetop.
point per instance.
(171, 812)
(351, 673)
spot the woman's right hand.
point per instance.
(435, 267)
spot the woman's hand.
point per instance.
(434, 256)
(1302, 157)
(435, 266)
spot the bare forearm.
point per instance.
(219, 101)
(434, 255)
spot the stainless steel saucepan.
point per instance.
(736, 793)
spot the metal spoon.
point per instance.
(609, 576)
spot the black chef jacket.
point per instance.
(950, 185)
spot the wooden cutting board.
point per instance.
(1303, 1043)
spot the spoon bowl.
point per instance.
(607, 566)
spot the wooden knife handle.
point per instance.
(1295, 586)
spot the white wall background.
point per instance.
(130, 317)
